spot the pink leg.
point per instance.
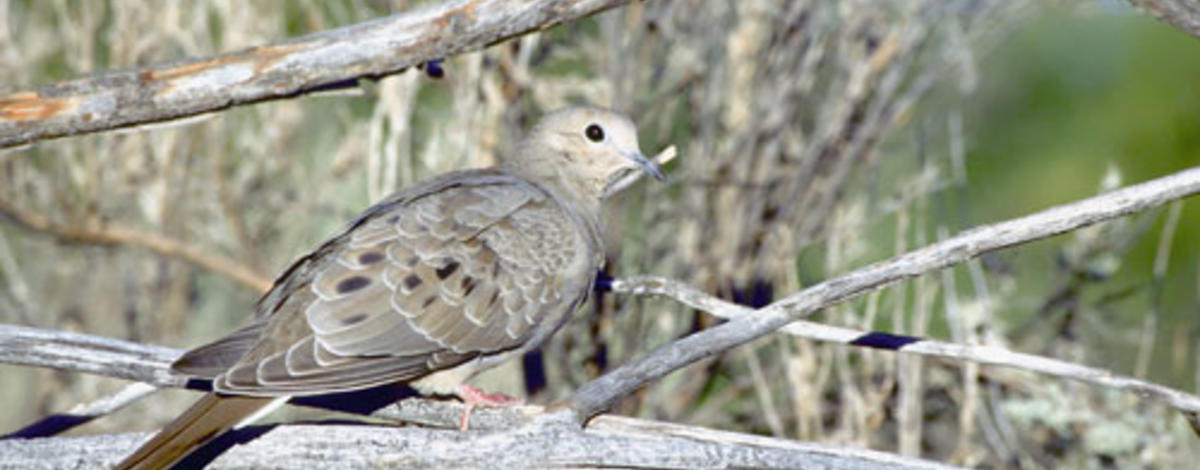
(473, 397)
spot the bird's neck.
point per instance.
(580, 191)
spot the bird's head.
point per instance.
(584, 150)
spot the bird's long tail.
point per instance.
(203, 422)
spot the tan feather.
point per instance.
(203, 422)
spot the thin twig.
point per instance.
(989, 355)
(84, 413)
(117, 236)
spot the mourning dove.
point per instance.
(434, 284)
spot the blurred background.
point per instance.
(814, 138)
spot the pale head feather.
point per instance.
(580, 152)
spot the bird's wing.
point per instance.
(215, 358)
(468, 268)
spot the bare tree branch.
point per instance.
(113, 235)
(611, 442)
(990, 355)
(1182, 14)
(78, 352)
(517, 437)
(373, 49)
(601, 393)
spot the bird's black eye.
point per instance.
(594, 133)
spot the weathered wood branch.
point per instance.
(543, 442)
(92, 354)
(598, 395)
(982, 354)
(370, 50)
(518, 437)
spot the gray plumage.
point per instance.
(460, 269)
(432, 285)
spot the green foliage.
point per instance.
(1062, 102)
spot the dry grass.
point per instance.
(800, 141)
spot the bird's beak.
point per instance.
(647, 165)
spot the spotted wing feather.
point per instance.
(422, 284)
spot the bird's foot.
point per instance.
(474, 397)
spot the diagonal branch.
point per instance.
(163, 246)
(598, 395)
(328, 59)
(982, 354)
